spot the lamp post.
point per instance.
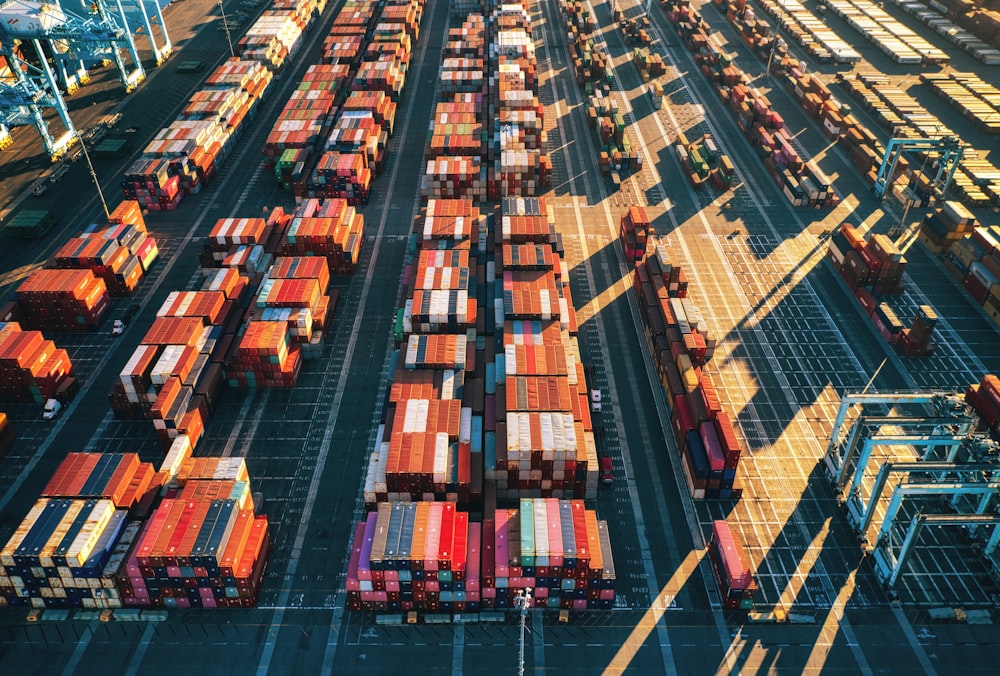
(522, 601)
(225, 27)
(93, 175)
(775, 44)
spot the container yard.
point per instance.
(470, 335)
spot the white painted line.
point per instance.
(663, 637)
(234, 434)
(81, 648)
(911, 638)
(329, 657)
(101, 427)
(458, 650)
(538, 643)
(140, 651)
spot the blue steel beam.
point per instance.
(841, 464)
(943, 403)
(949, 147)
(872, 442)
(867, 512)
(905, 490)
(23, 101)
(889, 566)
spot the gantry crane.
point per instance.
(74, 42)
(31, 92)
(949, 147)
(946, 459)
(126, 8)
(950, 415)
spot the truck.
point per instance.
(607, 475)
(59, 172)
(52, 408)
(61, 397)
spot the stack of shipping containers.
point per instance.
(203, 546)
(301, 127)
(276, 36)
(517, 164)
(873, 271)
(971, 253)
(681, 344)
(68, 549)
(557, 548)
(63, 299)
(487, 413)
(32, 369)
(732, 572)
(332, 229)
(186, 154)
(71, 293)
(119, 252)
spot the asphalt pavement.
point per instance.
(791, 342)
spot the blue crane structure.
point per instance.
(950, 154)
(74, 43)
(935, 469)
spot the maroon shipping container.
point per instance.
(682, 419)
(987, 408)
(729, 561)
(867, 301)
(727, 436)
(992, 385)
(713, 447)
(974, 285)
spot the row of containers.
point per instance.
(263, 306)
(109, 531)
(971, 253)
(976, 182)
(595, 74)
(681, 344)
(185, 155)
(804, 27)
(202, 545)
(873, 270)
(984, 397)
(976, 179)
(329, 140)
(186, 535)
(893, 38)
(976, 27)
(487, 134)
(798, 177)
(485, 451)
(72, 292)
